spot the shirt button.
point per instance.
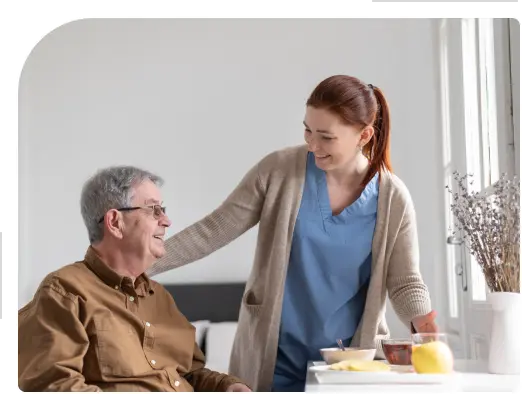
(176, 383)
(153, 362)
(147, 324)
(131, 298)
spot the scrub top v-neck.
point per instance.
(327, 279)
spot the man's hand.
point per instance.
(425, 323)
(237, 387)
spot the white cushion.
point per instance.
(201, 330)
(220, 337)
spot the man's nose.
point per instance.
(165, 221)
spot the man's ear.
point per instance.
(113, 223)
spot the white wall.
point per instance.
(199, 102)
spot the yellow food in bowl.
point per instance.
(361, 366)
(336, 355)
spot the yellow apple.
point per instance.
(432, 357)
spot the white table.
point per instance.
(472, 376)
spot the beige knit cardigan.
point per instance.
(270, 195)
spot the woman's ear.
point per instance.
(366, 135)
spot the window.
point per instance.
(478, 86)
(480, 103)
(451, 260)
(490, 164)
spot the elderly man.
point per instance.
(101, 324)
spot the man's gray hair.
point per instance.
(110, 188)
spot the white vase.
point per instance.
(504, 347)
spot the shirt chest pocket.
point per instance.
(118, 347)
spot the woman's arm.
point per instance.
(237, 214)
(408, 293)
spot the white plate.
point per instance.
(325, 375)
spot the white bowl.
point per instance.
(334, 355)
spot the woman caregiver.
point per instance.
(337, 233)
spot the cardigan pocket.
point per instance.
(252, 302)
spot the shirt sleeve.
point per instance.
(203, 379)
(51, 343)
(407, 291)
(237, 214)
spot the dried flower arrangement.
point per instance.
(490, 226)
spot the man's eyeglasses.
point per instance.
(157, 210)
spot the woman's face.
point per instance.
(333, 143)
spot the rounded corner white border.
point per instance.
(45, 29)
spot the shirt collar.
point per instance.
(142, 284)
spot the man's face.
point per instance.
(144, 229)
